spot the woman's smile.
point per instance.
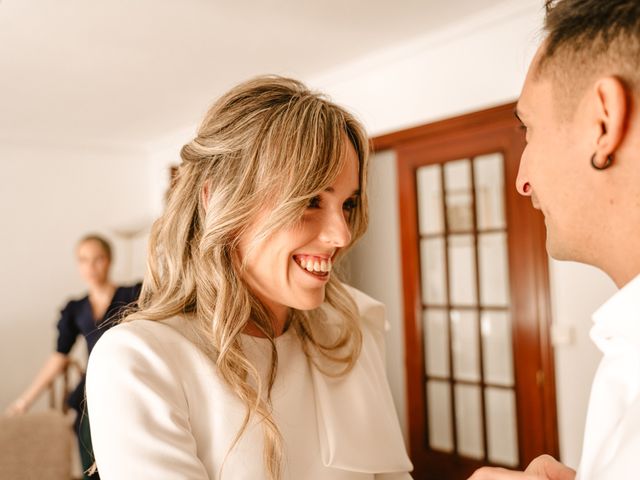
(318, 268)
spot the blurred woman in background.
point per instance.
(90, 317)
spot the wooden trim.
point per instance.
(416, 398)
(468, 136)
(66, 388)
(478, 292)
(494, 116)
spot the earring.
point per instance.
(603, 167)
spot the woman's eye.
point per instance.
(314, 203)
(350, 204)
(347, 206)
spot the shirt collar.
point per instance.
(618, 319)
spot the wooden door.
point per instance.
(476, 298)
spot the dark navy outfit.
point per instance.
(77, 319)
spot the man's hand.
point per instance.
(545, 467)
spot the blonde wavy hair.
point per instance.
(268, 138)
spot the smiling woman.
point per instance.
(248, 357)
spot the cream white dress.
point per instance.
(159, 410)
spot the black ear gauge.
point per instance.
(606, 165)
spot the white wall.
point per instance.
(49, 197)
(162, 156)
(374, 267)
(478, 63)
(577, 290)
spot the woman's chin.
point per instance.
(309, 300)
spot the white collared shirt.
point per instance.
(611, 448)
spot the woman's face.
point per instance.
(93, 263)
(292, 266)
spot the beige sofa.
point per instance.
(36, 446)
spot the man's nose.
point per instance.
(522, 182)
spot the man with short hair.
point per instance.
(581, 168)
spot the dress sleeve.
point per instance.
(68, 331)
(136, 289)
(138, 411)
(131, 294)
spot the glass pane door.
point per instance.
(464, 277)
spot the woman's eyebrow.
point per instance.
(332, 190)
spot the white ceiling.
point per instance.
(129, 72)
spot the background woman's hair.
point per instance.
(268, 144)
(104, 243)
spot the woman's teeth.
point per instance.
(314, 264)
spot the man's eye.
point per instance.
(314, 203)
(350, 205)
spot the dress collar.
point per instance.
(357, 421)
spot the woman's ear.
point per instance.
(205, 194)
(612, 108)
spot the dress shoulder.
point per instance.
(73, 305)
(130, 292)
(137, 402)
(372, 315)
(142, 337)
(370, 309)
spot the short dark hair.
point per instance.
(589, 36)
(104, 243)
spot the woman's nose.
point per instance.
(336, 229)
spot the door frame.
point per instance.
(487, 131)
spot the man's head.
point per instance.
(587, 39)
(579, 107)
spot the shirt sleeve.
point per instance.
(138, 411)
(68, 331)
(618, 458)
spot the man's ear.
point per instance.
(612, 110)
